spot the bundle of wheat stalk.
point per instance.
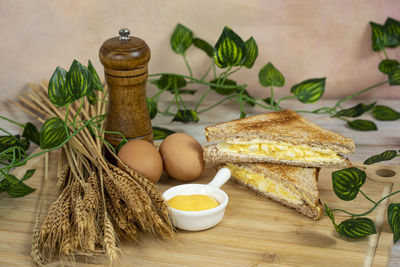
(99, 204)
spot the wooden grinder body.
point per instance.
(125, 64)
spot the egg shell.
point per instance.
(182, 157)
(142, 157)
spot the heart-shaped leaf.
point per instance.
(384, 156)
(204, 46)
(57, 90)
(161, 133)
(356, 228)
(355, 111)
(393, 213)
(28, 174)
(78, 80)
(251, 53)
(52, 133)
(31, 133)
(379, 36)
(223, 91)
(181, 39)
(392, 30)
(384, 113)
(8, 141)
(170, 81)
(95, 78)
(394, 76)
(347, 182)
(186, 115)
(309, 91)
(230, 49)
(270, 76)
(152, 107)
(15, 187)
(388, 65)
(362, 125)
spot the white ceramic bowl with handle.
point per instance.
(204, 219)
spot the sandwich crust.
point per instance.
(281, 126)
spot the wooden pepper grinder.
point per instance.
(125, 60)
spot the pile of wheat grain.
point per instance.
(99, 205)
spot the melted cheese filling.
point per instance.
(281, 151)
(264, 184)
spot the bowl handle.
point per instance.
(221, 177)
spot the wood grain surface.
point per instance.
(254, 232)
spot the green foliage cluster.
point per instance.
(347, 184)
(231, 53)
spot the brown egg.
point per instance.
(182, 157)
(143, 157)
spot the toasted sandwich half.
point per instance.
(294, 187)
(282, 137)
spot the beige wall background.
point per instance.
(304, 39)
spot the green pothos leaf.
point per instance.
(251, 53)
(309, 91)
(15, 187)
(388, 65)
(161, 133)
(355, 111)
(356, 228)
(379, 36)
(170, 81)
(52, 133)
(96, 79)
(28, 174)
(392, 30)
(362, 125)
(186, 115)
(57, 90)
(393, 213)
(223, 91)
(31, 133)
(384, 113)
(8, 141)
(152, 107)
(394, 76)
(230, 50)
(78, 80)
(270, 76)
(181, 39)
(384, 156)
(204, 46)
(347, 182)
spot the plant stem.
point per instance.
(76, 114)
(187, 64)
(7, 132)
(271, 102)
(284, 98)
(168, 107)
(200, 81)
(207, 72)
(385, 53)
(214, 70)
(202, 98)
(10, 120)
(369, 211)
(159, 92)
(366, 196)
(166, 113)
(216, 104)
(347, 98)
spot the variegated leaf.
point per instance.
(251, 53)
(230, 50)
(309, 91)
(52, 133)
(356, 228)
(78, 80)
(384, 113)
(393, 213)
(270, 76)
(57, 90)
(347, 182)
(384, 156)
(181, 39)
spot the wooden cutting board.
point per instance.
(254, 232)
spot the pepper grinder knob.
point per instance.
(124, 34)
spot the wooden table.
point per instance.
(367, 143)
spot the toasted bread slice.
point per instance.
(294, 187)
(282, 137)
(282, 126)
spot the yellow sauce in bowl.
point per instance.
(193, 202)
